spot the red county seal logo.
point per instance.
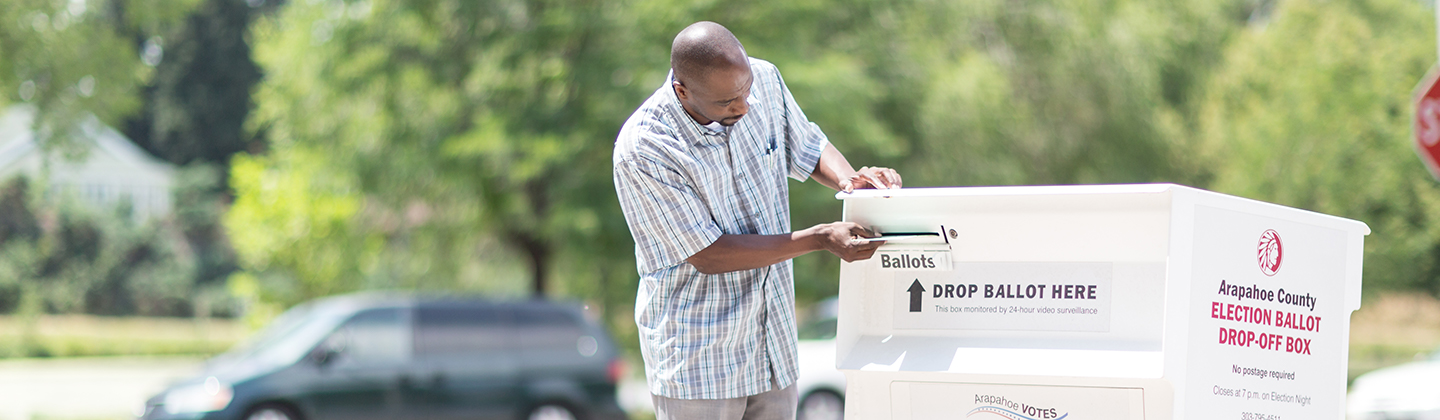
(1270, 252)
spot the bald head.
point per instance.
(712, 74)
(702, 48)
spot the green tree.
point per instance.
(17, 219)
(449, 138)
(193, 114)
(70, 58)
(1312, 110)
(180, 80)
(199, 96)
(19, 228)
(292, 227)
(87, 261)
(1065, 92)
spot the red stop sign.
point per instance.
(1427, 121)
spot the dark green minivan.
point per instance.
(399, 357)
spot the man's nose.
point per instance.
(739, 108)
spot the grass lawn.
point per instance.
(84, 335)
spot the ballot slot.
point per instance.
(889, 237)
(907, 236)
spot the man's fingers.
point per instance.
(857, 179)
(877, 178)
(874, 177)
(879, 184)
(868, 179)
(889, 177)
(892, 178)
(862, 252)
(872, 244)
(861, 231)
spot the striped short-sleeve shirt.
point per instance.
(682, 185)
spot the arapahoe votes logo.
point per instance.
(1270, 252)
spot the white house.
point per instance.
(114, 169)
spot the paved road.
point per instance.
(85, 388)
(109, 388)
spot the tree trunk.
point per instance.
(539, 253)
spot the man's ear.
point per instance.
(680, 90)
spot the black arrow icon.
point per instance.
(915, 291)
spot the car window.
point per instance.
(279, 329)
(546, 327)
(288, 338)
(458, 330)
(372, 337)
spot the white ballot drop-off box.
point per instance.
(1097, 302)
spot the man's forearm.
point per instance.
(746, 252)
(832, 168)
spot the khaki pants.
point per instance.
(775, 404)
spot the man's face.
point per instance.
(717, 96)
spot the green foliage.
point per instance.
(1065, 92)
(296, 218)
(18, 225)
(1313, 110)
(197, 217)
(445, 140)
(196, 102)
(17, 220)
(81, 260)
(70, 58)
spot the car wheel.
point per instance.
(822, 405)
(551, 412)
(271, 412)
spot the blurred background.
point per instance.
(176, 173)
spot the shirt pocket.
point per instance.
(772, 157)
(770, 184)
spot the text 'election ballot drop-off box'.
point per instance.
(1103, 302)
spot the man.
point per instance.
(700, 171)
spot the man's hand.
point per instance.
(835, 172)
(871, 177)
(838, 238)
